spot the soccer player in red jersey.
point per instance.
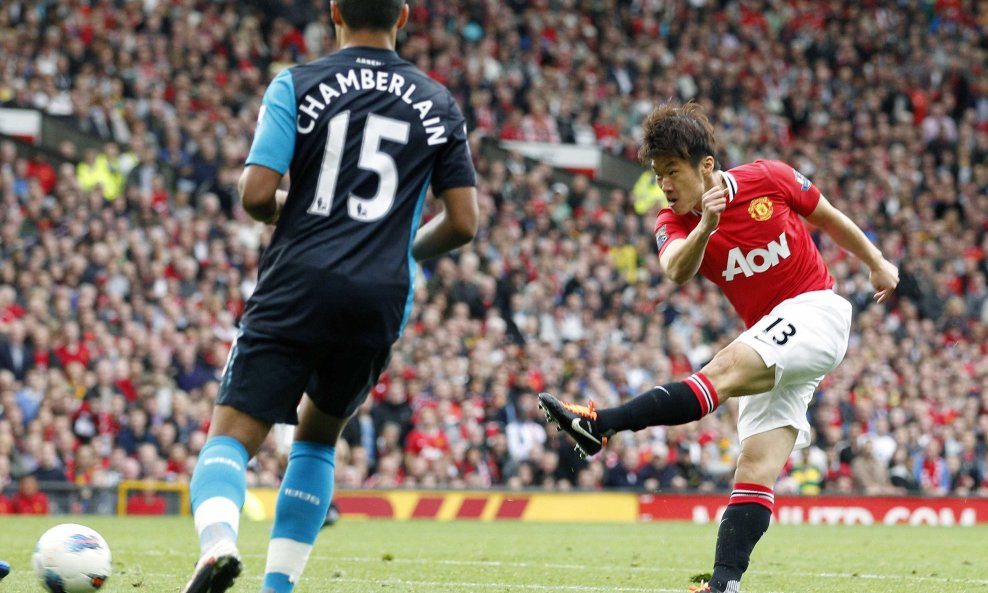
(29, 500)
(742, 230)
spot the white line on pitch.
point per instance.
(461, 585)
(662, 569)
(823, 575)
(457, 585)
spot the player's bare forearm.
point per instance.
(268, 212)
(439, 236)
(455, 226)
(681, 260)
(260, 195)
(884, 274)
(845, 233)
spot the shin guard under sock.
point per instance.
(745, 521)
(665, 405)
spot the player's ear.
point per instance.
(708, 164)
(403, 16)
(334, 14)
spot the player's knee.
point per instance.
(231, 422)
(317, 426)
(325, 434)
(756, 469)
(763, 455)
(738, 370)
(723, 371)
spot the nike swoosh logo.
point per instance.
(575, 425)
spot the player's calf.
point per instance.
(666, 405)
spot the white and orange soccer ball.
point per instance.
(71, 558)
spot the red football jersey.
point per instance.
(761, 253)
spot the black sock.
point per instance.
(666, 405)
(743, 525)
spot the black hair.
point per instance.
(370, 15)
(673, 131)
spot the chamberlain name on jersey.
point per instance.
(364, 135)
(365, 79)
(761, 253)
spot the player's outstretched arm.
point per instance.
(259, 193)
(884, 275)
(455, 226)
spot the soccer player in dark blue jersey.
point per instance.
(363, 135)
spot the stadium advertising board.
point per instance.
(403, 505)
(488, 506)
(626, 507)
(24, 124)
(826, 510)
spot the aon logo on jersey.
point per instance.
(755, 261)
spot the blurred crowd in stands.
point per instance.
(125, 265)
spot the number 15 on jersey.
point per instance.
(372, 158)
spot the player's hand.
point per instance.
(884, 278)
(279, 204)
(713, 201)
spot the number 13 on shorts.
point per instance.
(779, 331)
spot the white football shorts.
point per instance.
(804, 337)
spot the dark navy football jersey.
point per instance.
(363, 134)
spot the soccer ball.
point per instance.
(71, 558)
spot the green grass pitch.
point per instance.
(355, 556)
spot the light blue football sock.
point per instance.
(218, 489)
(299, 513)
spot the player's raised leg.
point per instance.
(303, 498)
(218, 489)
(735, 370)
